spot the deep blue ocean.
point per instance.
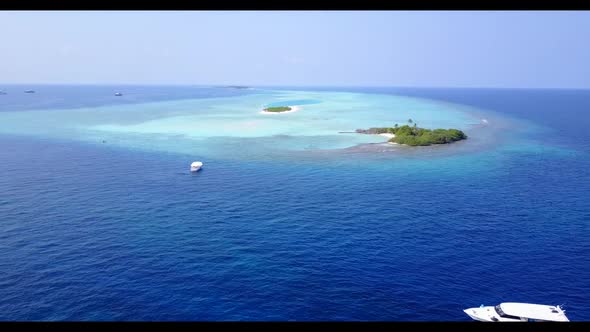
(99, 232)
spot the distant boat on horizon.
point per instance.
(29, 91)
(118, 94)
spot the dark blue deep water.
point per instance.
(90, 232)
(76, 96)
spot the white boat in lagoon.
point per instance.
(518, 312)
(196, 166)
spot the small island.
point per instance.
(415, 136)
(237, 87)
(278, 109)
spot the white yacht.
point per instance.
(518, 312)
(195, 166)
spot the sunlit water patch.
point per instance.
(235, 127)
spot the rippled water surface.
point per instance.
(290, 219)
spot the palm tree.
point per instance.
(395, 125)
(410, 121)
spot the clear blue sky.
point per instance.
(452, 49)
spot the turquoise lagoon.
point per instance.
(234, 127)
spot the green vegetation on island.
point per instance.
(415, 136)
(278, 109)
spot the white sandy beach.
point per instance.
(293, 109)
(389, 136)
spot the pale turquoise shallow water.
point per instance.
(232, 127)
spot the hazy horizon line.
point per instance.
(295, 85)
